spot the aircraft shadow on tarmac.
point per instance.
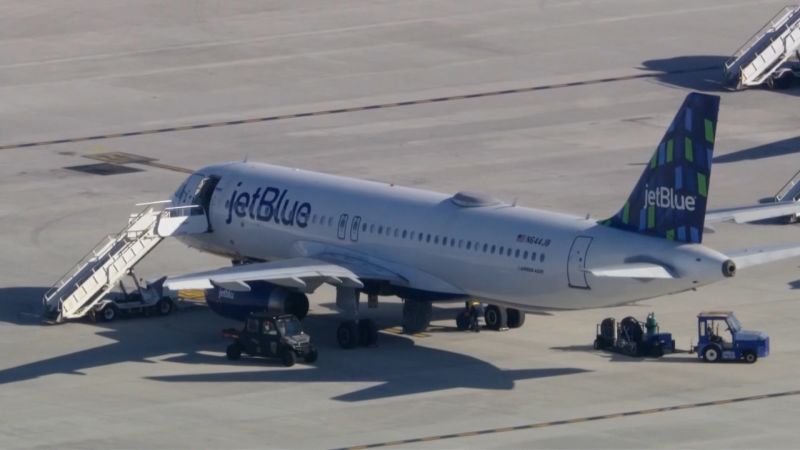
(680, 356)
(398, 366)
(696, 72)
(771, 150)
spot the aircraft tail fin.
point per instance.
(669, 201)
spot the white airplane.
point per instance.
(289, 231)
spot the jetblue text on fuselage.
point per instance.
(664, 197)
(268, 204)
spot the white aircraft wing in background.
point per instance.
(753, 213)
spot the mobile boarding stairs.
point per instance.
(86, 285)
(765, 58)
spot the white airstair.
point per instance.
(77, 292)
(759, 60)
(790, 191)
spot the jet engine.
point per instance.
(263, 296)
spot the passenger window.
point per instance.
(364, 228)
(541, 257)
(436, 239)
(501, 250)
(405, 233)
(516, 253)
(485, 247)
(508, 252)
(380, 229)
(493, 249)
(460, 243)
(452, 242)
(469, 245)
(314, 219)
(428, 239)
(525, 255)
(533, 256)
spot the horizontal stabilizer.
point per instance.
(755, 256)
(753, 213)
(632, 270)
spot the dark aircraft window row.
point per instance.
(444, 241)
(323, 220)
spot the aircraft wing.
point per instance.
(305, 274)
(295, 272)
(752, 213)
(755, 256)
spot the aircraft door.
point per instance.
(354, 228)
(576, 262)
(343, 226)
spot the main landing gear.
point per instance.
(496, 317)
(353, 331)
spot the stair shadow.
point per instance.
(695, 72)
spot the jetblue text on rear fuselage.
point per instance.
(664, 197)
(268, 204)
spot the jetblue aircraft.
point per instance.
(288, 231)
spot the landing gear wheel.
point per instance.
(416, 315)
(463, 320)
(367, 333)
(516, 318)
(750, 357)
(347, 334)
(109, 312)
(495, 317)
(288, 358)
(234, 352)
(311, 356)
(164, 306)
(711, 354)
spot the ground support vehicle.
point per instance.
(271, 336)
(720, 337)
(144, 300)
(631, 337)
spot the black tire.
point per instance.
(657, 351)
(109, 313)
(311, 356)
(463, 321)
(347, 334)
(781, 82)
(750, 357)
(367, 332)
(234, 352)
(288, 358)
(164, 307)
(495, 317)
(597, 344)
(416, 315)
(516, 318)
(711, 354)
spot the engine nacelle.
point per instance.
(263, 296)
